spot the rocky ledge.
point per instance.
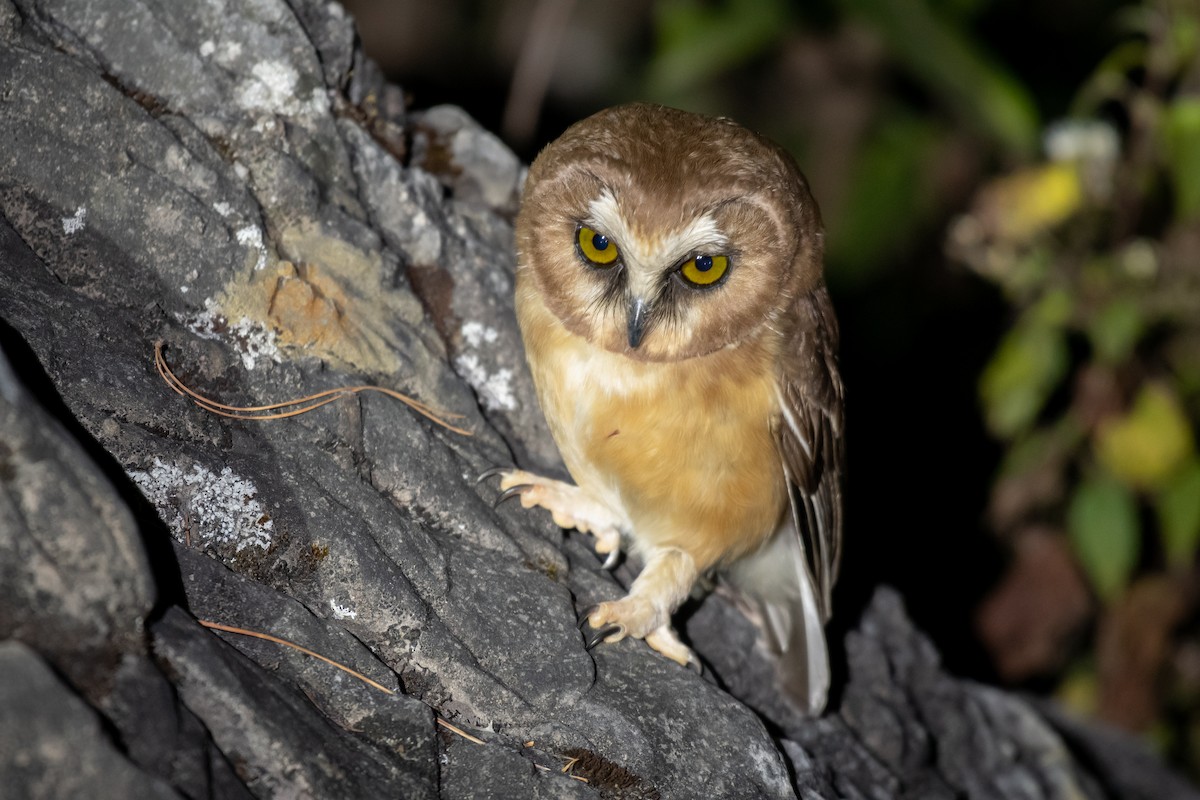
(236, 183)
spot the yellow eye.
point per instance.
(704, 270)
(596, 247)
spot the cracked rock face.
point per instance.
(236, 182)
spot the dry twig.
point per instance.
(277, 640)
(300, 405)
(459, 731)
(268, 637)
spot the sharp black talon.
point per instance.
(603, 634)
(587, 612)
(694, 664)
(511, 492)
(491, 473)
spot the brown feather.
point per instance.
(809, 436)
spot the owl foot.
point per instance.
(666, 641)
(662, 639)
(568, 505)
(600, 635)
(645, 613)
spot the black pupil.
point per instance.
(600, 241)
(704, 263)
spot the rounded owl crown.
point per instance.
(663, 235)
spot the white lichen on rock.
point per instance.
(75, 223)
(273, 87)
(220, 509)
(252, 340)
(476, 333)
(252, 236)
(494, 388)
(340, 611)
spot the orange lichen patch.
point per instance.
(309, 306)
(330, 300)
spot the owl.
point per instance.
(684, 349)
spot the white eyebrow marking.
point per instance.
(700, 235)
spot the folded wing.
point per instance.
(799, 566)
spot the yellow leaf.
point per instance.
(1019, 206)
(1146, 446)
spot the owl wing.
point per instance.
(806, 552)
(809, 438)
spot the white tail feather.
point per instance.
(777, 577)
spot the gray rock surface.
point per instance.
(237, 182)
(52, 742)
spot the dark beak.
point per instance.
(637, 321)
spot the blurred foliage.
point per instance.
(1096, 246)
(888, 199)
(697, 41)
(956, 69)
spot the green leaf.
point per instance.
(1108, 82)
(1182, 355)
(1116, 329)
(1054, 308)
(888, 200)
(1181, 143)
(1178, 509)
(1102, 523)
(1027, 366)
(1032, 450)
(700, 40)
(1185, 35)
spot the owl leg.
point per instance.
(570, 506)
(645, 613)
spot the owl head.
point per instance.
(663, 235)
